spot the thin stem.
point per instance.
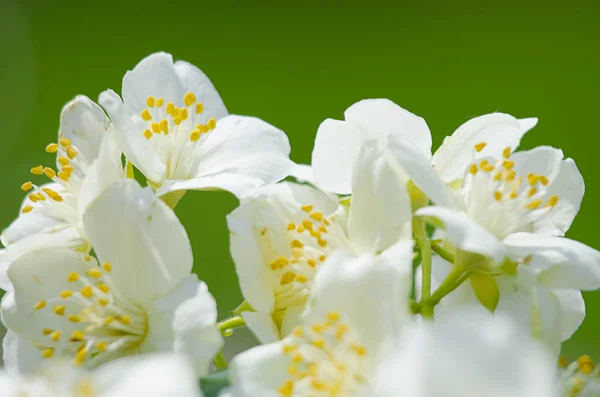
(220, 361)
(231, 323)
(446, 255)
(426, 254)
(450, 283)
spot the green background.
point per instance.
(295, 64)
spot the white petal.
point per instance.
(464, 233)
(380, 212)
(262, 326)
(259, 371)
(382, 117)
(542, 160)
(185, 322)
(575, 265)
(5, 261)
(569, 187)
(84, 123)
(417, 167)
(141, 237)
(546, 321)
(194, 80)
(337, 146)
(132, 142)
(240, 155)
(497, 130)
(155, 75)
(572, 311)
(304, 173)
(19, 355)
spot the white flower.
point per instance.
(581, 378)
(87, 160)
(356, 312)
(407, 140)
(280, 237)
(466, 355)
(174, 128)
(149, 376)
(140, 298)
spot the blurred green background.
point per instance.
(295, 64)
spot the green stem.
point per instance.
(220, 361)
(426, 254)
(230, 323)
(446, 255)
(450, 283)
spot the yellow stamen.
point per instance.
(66, 294)
(52, 148)
(26, 186)
(195, 135)
(150, 101)
(287, 278)
(317, 216)
(533, 205)
(164, 126)
(155, 128)
(50, 173)
(66, 142)
(74, 318)
(59, 309)
(170, 108)
(87, 291)
(531, 192)
(107, 266)
(506, 152)
(160, 102)
(104, 288)
(40, 305)
(71, 153)
(47, 331)
(301, 278)
(64, 176)
(95, 272)
(473, 169)
(101, 346)
(148, 134)
(39, 170)
(189, 99)
(109, 320)
(68, 169)
(507, 164)
(47, 353)
(297, 244)
(26, 209)
(125, 320)
(307, 208)
(552, 201)
(291, 226)
(146, 116)
(72, 277)
(212, 123)
(479, 147)
(55, 336)
(199, 108)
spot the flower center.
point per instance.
(501, 200)
(174, 132)
(580, 378)
(91, 320)
(326, 360)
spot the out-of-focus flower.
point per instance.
(581, 378)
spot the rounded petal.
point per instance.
(496, 130)
(262, 326)
(380, 212)
(304, 173)
(542, 160)
(184, 322)
(155, 76)
(337, 146)
(20, 356)
(141, 237)
(572, 311)
(464, 233)
(382, 117)
(240, 155)
(259, 371)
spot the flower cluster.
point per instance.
(381, 269)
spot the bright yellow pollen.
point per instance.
(287, 389)
(473, 169)
(80, 357)
(107, 266)
(95, 272)
(479, 147)
(47, 353)
(109, 320)
(513, 194)
(307, 208)
(59, 309)
(498, 176)
(301, 278)
(321, 242)
(552, 201)
(146, 116)
(72, 277)
(170, 108)
(155, 127)
(297, 244)
(333, 316)
(544, 180)
(101, 346)
(291, 226)
(77, 336)
(279, 262)
(531, 192)
(317, 216)
(199, 108)
(27, 208)
(508, 165)
(532, 179)
(177, 120)
(322, 258)
(585, 364)
(148, 134)
(52, 148)
(300, 229)
(506, 152)
(510, 175)
(160, 102)
(40, 305)
(26, 186)
(47, 331)
(125, 320)
(360, 350)
(71, 153)
(66, 294)
(315, 233)
(312, 262)
(49, 172)
(195, 135)
(164, 126)
(87, 291)
(55, 336)
(39, 170)
(51, 193)
(103, 301)
(74, 318)
(189, 99)
(487, 168)
(104, 288)
(533, 205)
(212, 123)
(287, 278)
(150, 101)
(66, 142)
(63, 175)
(483, 163)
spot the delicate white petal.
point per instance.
(464, 233)
(572, 311)
(304, 173)
(262, 326)
(5, 261)
(382, 117)
(194, 80)
(259, 371)
(240, 155)
(380, 213)
(497, 130)
(84, 123)
(184, 321)
(575, 265)
(141, 237)
(155, 75)
(132, 142)
(546, 320)
(542, 160)
(337, 146)
(19, 355)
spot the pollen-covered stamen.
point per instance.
(173, 131)
(500, 199)
(90, 318)
(580, 378)
(327, 359)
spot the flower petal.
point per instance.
(259, 371)
(262, 325)
(572, 311)
(141, 237)
(464, 233)
(542, 160)
(380, 212)
(304, 173)
(20, 356)
(240, 155)
(497, 130)
(155, 76)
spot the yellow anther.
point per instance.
(103, 301)
(109, 320)
(55, 336)
(125, 319)
(47, 353)
(300, 229)
(71, 153)
(312, 262)
(307, 208)
(64, 176)
(66, 294)
(533, 205)
(101, 346)
(39, 170)
(531, 192)
(315, 233)
(317, 216)
(562, 362)
(487, 168)
(74, 318)
(322, 229)
(52, 148)
(51, 193)
(34, 197)
(360, 350)
(322, 258)
(80, 356)
(279, 263)
(160, 102)
(585, 364)
(177, 120)
(184, 114)
(68, 169)
(319, 343)
(26, 186)
(318, 385)
(473, 169)
(146, 116)
(498, 176)
(57, 198)
(164, 126)
(107, 266)
(479, 147)
(202, 128)
(552, 201)
(170, 108)
(532, 179)
(483, 163)
(148, 134)
(297, 332)
(27, 208)
(77, 336)
(301, 278)
(297, 244)
(104, 288)
(286, 389)
(59, 309)
(39, 305)
(150, 101)
(72, 277)
(297, 357)
(212, 123)
(544, 180)
(513, 194)
(155, 127)
(189, 99)
(291, 226)
(195, 135)
(321, 242)
(66, 142)
(333, 316)
(511, 175)
(199, 108)
(506, 152)
(307, 224)
(326, 222)
(287, 278)
(508, 165)
(95, 272)
(87, 291)
(47, 331)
